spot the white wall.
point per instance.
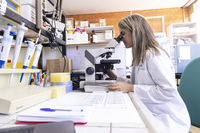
(195, 17)
(78, 57)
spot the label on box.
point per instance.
(56, 65)
(92, 25)
(83, 23)
(108, 34)
(68, 22)
(102, 22)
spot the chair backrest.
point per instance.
(189, 89)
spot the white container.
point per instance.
(108, 34)
(192, 30)
(28, 12)
(185, 29)
(77, 36)
(95, 38)
(30, 2)
(177, 30)
(84, 36)
(70, 37)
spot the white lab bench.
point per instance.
(135, 118)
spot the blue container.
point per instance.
(67, 84)
(11, 5)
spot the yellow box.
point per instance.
(57, 91)
(60, 77)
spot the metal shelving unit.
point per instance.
(15, 19)
(97, 30)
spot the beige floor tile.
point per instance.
(194, 129)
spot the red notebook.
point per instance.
(28, 122)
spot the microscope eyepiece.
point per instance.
(119, 38)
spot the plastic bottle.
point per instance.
(77, 36)
(70, 37)
(93, 37)
(84, 36)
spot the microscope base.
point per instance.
(91, 88)
(97, 85)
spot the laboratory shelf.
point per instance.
(194, 35)
(15, 19)
(184, 34)
(99, 29)
(83, 44)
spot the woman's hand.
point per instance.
(121, 86)
(111, 74)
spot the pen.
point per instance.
(54, 110)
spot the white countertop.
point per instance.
(135, 118)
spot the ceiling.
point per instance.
(75, 7)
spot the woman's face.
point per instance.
(127, 37)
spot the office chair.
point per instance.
(189, 89)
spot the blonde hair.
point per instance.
(143, 37)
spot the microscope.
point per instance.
(97, 63)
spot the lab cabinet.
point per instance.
(181, 55)
(176, 31)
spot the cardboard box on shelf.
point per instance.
(69, 23)
(185, 29)
(28, 12)
(84, 23)
(108, 34)
(94, 25)
(102, 22)
(192, 30)
(77, 24)
(57, 65)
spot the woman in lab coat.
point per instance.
(153, 75)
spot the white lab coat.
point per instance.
(156, 87)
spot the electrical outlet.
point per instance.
(40, 7)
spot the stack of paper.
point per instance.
(54, 113)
